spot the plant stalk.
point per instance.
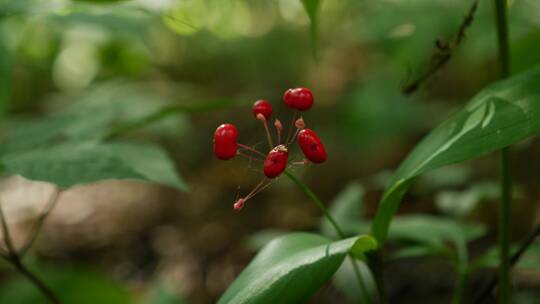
(504, 291)
(460, 288)
(14, 257)
(21, 268)
(317, 201)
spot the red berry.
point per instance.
(262, 107)
(239, 204)
(299, 98)
(276, 161)
(225, 141)
(311, 145)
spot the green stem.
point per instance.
(317, 201)
(47, 292)
(364, 292)
(460, 288)
(504, 228)
(376, 264)
(462, 270)
(506, 178)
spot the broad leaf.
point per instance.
(503, 113)
(78, 163)
(292, 268)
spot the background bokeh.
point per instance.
(130, 242)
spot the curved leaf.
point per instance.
(503, 113)
(312, 9)
(292, 268)
(85, 162)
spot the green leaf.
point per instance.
(434, 232)
(75, 163)
(462, 203)
(312, 9)
(502, 114)
(28, 134)
(347, 210)
(290, 269)
(416, 251)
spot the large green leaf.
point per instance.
(85, 162)
(291, 268)
(503, 113)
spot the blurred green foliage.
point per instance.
(72, 285)
(77, 76)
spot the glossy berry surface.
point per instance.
(262, 107)
(225, 141)
(299, 98)
(276, 161)
(311, 146)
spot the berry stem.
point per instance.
(294, 137)
(253, 192)
(289, 133)
(279, 129)
(251, 149)
(262, 119)
(250, 157)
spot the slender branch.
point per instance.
(5, 231)
(364, 292)
(504, 228)
(14, 257)
(513, 261)
(39, 224)
(246, 147)
(315, 199)
(443, 52)
(502, 38)
(17, 263)
(506, 164)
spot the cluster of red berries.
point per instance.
(226, 144)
